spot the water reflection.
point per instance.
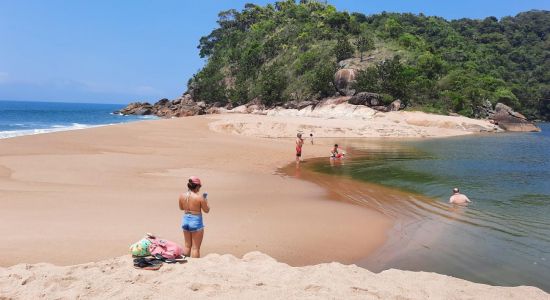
(502, 238)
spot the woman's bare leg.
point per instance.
(188, 243)
(196, 238)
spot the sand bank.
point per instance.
(331, 122)
(79, 196)
(255, 276)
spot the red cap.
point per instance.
(195, 180)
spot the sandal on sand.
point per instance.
(147, 264)
(152, 260)
(181, 259)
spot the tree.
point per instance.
(343, 49)
(364, 43)
(272, 83)
(322, 78)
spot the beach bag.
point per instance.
(141, 248)
(165, 248)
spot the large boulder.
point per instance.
(143, 111)
(364, 98)
(241, 109)
(395, 105)
(300, 104)
(510, 120)
(254, 106)
(188, 110)
(135, 108)
(344, 80)
(485, 110)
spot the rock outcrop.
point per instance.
(395, 105)
(365, 98)
(164, 108)
(362, 105)
(485, 110)
(509, 120)
(136, 108)
(344, 80)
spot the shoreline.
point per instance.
(117, 164)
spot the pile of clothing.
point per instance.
(151, 252)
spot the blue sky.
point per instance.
(122, 51)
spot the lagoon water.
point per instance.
(25, 117)
(502, 238)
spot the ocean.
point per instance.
(502, 238)
(26, 118)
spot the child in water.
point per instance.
(334, 153)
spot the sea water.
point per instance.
(26, 118)
(501, 238)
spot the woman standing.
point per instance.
(299, 144)
(193, 205)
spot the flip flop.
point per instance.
(181, 259)
(145, 265)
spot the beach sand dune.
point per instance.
(255, 276)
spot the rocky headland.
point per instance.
(359, 106)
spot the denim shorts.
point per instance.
(192, 223)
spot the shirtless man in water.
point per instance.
(299, 144)
(458, 198)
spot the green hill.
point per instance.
(290, 51)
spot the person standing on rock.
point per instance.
(458, 198)
(299, 144)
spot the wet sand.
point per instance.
(80, 196)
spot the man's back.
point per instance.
(459, 199)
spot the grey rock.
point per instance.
(365, 98)
(395, 105)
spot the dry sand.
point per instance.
(80, 196)
(255, 276)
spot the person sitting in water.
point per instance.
(334, 153)
(458, 198)
(193, 205)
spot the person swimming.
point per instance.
(192, 225)
(458, 198)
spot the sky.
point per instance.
(104, 51)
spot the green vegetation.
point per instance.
(289, 51)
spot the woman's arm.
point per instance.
(204, 205)
(180, 200)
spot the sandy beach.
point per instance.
(83, 196)
(70, 192)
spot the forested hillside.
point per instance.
(290, 51)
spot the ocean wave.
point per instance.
(53, 128)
